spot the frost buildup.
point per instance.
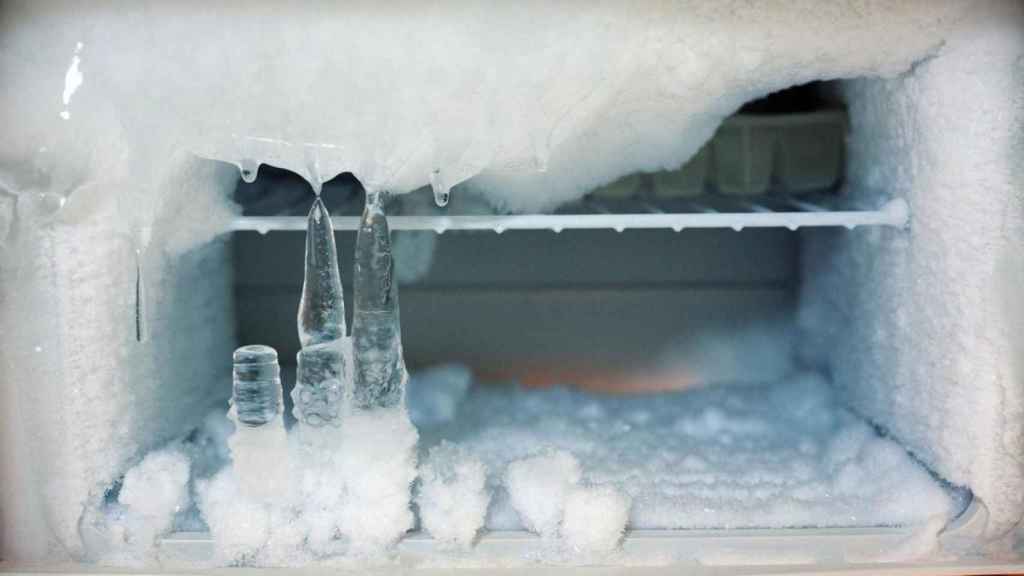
(380, 374)
(319, 389)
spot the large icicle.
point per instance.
(322, 307)
(320, 389)
(380, 374)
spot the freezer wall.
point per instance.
(81, 397)
(923, 328)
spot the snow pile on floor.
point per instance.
(780, 455)
(538, 486)
(922, 328)
(347, 495)
(453, 496)
(594, 519)
(151, 494)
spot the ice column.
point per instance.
(380, 374)
(319, 388)
(259, 444)
(256, 393)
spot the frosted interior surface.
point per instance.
(397, 92)
(782, 455)
(923, 329)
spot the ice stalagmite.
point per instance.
(259, 446)
(380, 374)
(319, 389)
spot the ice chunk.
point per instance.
(433, 395)
(322, 306)
(256, 393)
(379, 370)
(595, 518)
(538, 487)
(453, 497)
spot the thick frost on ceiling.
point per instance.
(535, 102)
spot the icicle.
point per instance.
(320, 379)
(441, 192)
(322, 307)
(380, 374)
(140, 299)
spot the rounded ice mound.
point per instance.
(538, 487)
(453, 496)
(595, 519)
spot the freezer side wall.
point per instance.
(923, 328)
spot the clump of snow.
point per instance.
(378, 459)
(538, 487)
(453, 496)
(595, 519)
(260, 458)
(156, 488)
(239, 526)
(347, 492)
(151, 494)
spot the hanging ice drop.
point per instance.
(441, 192)
(380, 374)
(322, 306)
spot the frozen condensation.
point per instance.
(923, 329)
(488, 98)
(538, 486)
(379, 369)
(731, 456)
(453, 496)
(152, 492)
(595, 519)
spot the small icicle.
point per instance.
(140, 302)
(442, 193)
(379, 370)
(249, 169)
(322, 306)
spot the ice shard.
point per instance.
(321, 375)
(379, 370)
